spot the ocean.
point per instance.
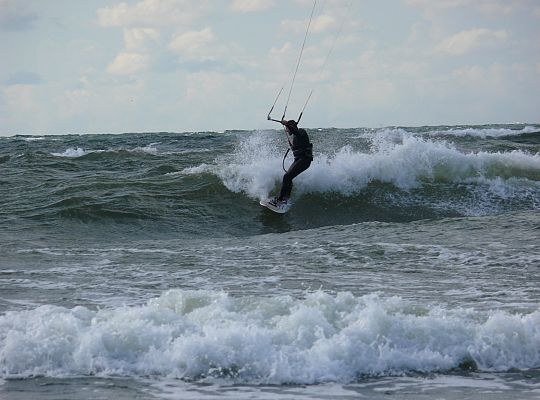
(141, 266)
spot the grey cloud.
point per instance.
(24, 78)
(14, 16)
(173, 63)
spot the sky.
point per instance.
(110, 66)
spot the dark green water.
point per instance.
(141, 265)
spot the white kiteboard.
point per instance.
(281, 209)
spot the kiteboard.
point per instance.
(280, 209)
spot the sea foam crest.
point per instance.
(80, 152)
(404, 160)
(208, 335)
(254, 167)
(486, 131)
(71, 153)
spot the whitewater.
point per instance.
(140, 265)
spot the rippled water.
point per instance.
(141, 265)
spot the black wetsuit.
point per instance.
(303, 156)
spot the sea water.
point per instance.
(141, 265)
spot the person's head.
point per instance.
(291, 125)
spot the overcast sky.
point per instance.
(108, 66)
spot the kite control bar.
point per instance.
(268, 117)
(282, 121)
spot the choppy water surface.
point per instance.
(142, 266)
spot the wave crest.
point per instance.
(207, 335)
(394, 157)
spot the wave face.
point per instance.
(207, 183)
(201, 335)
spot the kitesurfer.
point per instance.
(302, 150)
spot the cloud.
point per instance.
(15, 17)
(152, 13)
(193, 44)
(74, 102)
(494, 76)
(145, 24)
(469, 75)
(246, 6)
(380, 91)
(140, 38)
(24, 78)
(486, 6)
(495, 8)
(200, 51)
(304, 3)
(466, 41)
(129, 64)
(322, 23)
(287, 48)
(20, 100)
(193, 66)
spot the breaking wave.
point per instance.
(211, 182)
(206, 335)
(406, 162)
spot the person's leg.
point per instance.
(296, 168)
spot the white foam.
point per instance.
(210, 335)
(72, 153)
(150, 149)
(396, 157)
(485, 132)
(254, 167)
(79, 152)
(200, 169)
